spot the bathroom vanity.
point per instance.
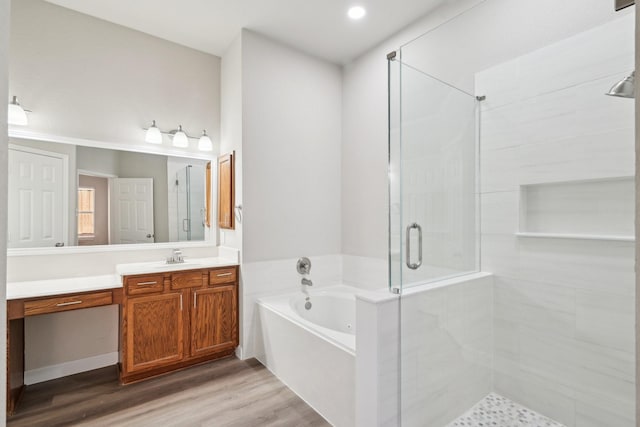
(171, 315)
(175, 319)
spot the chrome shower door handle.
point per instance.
(413, 266)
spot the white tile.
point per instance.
(499, 212)
(499, 170)
(587, 265)
(564, 318)
(606, 319)
(506, 339)
(520, 292)
(599, 155)
(364, 272)
(447, 336)
(589, 415)
(584, 57)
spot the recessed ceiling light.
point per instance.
(356, 12)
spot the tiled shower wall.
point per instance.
(564, 308)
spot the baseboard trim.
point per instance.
(47, 373)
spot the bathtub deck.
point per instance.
(223, 393)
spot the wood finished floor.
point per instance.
(224, 393)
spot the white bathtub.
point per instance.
(312, 349)
(331, 315)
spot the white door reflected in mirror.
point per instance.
(131, 210)
(37, 198)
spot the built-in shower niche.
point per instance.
(600, 209)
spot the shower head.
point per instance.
(624, 88)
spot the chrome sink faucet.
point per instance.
(176, 257)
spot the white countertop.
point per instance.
(43, 288)
(162, 266)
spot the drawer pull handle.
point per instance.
(147, 283)
(63, 304)
(224, 274)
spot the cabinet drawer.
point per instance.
(66, 303)
(145, 284)
(187, 279)
(222, 275)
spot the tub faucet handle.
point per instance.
(303, 265)
(306, 282)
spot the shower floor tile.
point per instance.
(497, 411)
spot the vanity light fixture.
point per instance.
(205, 144)
(153, 135)
(16, 115)
(356, 12)
(180, 138)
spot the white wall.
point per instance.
(281, 113)
(564, 310)
(4, 59)
(231, 130)
(291, 121)
(90, 79)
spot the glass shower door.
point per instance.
(434, 236)
(433, 178)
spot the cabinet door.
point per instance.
(214, 325)
(226, 191)
(154, 334)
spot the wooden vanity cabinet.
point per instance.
(213, 319)
(155, 331)
(187, 321)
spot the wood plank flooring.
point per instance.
(224, 393)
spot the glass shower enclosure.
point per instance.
(535, 311)
(190, 186)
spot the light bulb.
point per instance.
(180, 139)
(16, 114)
(153, 135)
(205, 144)
(356, 12)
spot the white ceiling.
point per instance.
(319, 27)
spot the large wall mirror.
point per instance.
(64, 195)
